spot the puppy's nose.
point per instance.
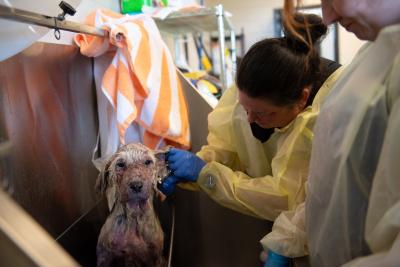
(136, 186)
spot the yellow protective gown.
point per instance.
(260, 179)
(353, 196)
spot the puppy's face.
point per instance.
(131, 174)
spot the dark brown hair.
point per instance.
(278, 69)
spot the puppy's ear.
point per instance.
(102, 181)
(161, 164)
(162, 170)
(104, 184)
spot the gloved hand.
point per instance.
(168, 185)
(184, 164)
(276, 260)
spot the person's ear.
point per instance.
(305, 94)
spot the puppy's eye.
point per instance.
(119, 220)
(120, 164)
(148, 162)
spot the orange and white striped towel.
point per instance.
(142, 82)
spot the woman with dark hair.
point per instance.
(257, 156)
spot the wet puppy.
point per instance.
(131, 235)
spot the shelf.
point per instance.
(203, 20)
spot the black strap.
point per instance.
(326, 68)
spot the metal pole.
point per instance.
(47, 21)
(233, 52)
(221, 34)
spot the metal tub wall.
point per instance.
(49, 113)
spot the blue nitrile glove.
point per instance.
(168, 185)
(276, 260)
(184, 164)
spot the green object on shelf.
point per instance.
(128, 6)
(164, 3)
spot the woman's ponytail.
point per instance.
(305, 32)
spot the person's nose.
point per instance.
(251, 117)
(329, 14)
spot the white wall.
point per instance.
(348, 46)
(256, 18)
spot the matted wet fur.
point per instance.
(131, 235)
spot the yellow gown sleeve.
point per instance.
(265, 196)
(288, 235)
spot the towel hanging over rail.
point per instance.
(141, 83)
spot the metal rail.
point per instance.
(20, 15)
(221, 33)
